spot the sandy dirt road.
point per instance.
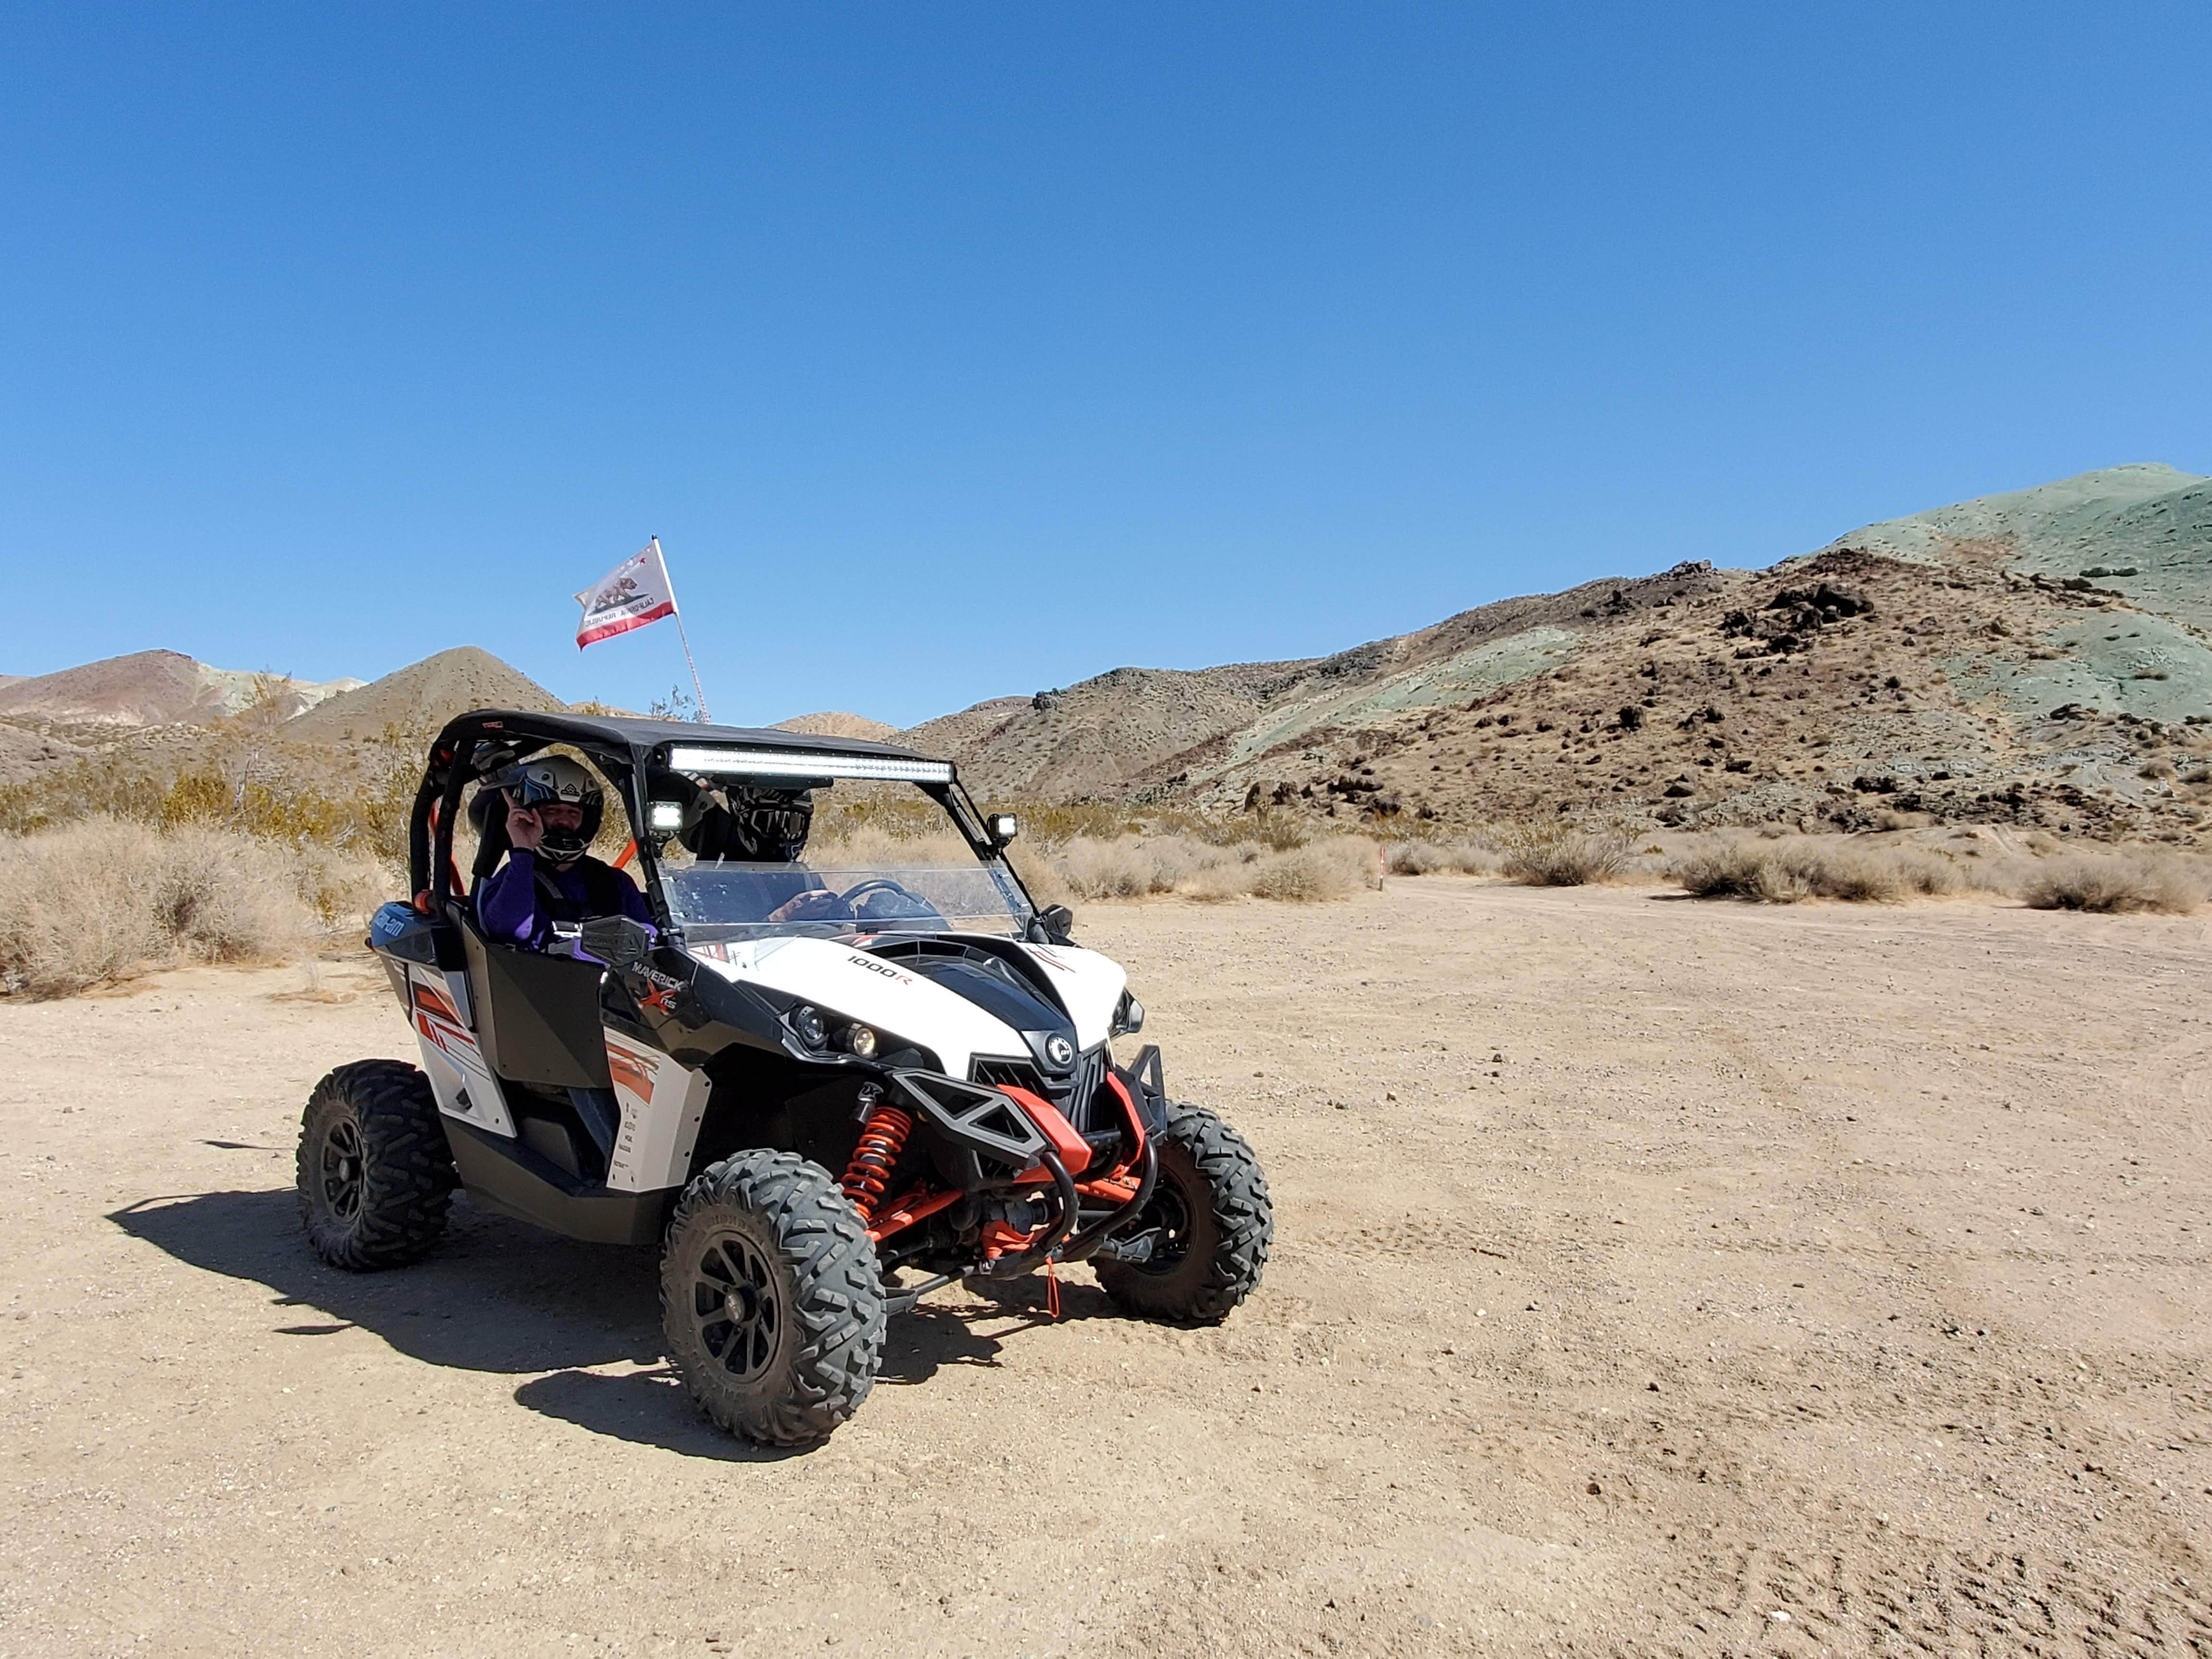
(1651, 1278)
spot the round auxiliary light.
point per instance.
(861, 1039)
(807, 1022)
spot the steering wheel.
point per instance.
(915, 908)
(854, 895)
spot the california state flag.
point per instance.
(636, 592)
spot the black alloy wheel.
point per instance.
(1211, 1223)
(772, 1298)
(736, 1306)
(342, 1170)
(1167, 1218)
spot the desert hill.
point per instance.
(2143, 530)
(1959, 665)
(833, 723)
(149, 688)
(2035, 658)
(25, 754)
(422, 697)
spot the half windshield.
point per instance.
(722, 902)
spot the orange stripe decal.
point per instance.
(633, 1071)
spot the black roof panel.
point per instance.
(640, 736)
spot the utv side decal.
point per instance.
(662, 1103)
(632, 1070)
(459, 1076)
(437, 1004)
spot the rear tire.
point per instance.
(374, 1172)
(1214, 1222)
(772, 1298)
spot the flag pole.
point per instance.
(698, 690)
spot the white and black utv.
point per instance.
(915, 1079)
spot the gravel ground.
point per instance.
(1651, 1276)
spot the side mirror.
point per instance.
(615, 940)
(1055, 924)
(1005, 826)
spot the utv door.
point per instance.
(537, 1015)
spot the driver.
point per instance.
(554, 808)
(758, 826)
(763, 832)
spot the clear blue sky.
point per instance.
(955, 349)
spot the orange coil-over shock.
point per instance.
(883, 1138)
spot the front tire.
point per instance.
(772, 1298)
(374, 1172)
(1212, 1225)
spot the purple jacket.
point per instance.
(513, 910)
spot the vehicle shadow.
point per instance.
(495, 1295)
(499, 1296)
(649, 1408)
(917, 1344)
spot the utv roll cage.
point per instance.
(637, 756)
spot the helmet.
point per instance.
(556, 779)
(770, 825)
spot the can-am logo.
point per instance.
(1058, 1050)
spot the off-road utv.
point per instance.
(838, 1088)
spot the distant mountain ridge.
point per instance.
(2152, 521)
(423, 696)
(2039, 657)
(834, 723)
(150, 688)
(1990, 619)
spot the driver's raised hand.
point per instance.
(525, 829)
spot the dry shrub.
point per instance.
(1335, 868)
(2115, 885)
(1040, 877)
(1139, 866)
(1558, 855)
(868, 846)
(98, 900)
(1784, 873)
(1130, 867)
(1428, 858)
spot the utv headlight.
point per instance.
(859, 1040)
(813, 1029)
(1129, 1017)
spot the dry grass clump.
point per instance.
(2115, 885)
(867, 846)
(100, 900)
(1556, 855)
(1772, 873)
(1429, 858)
(1130, 867)
(1123, 864)
(1333, 868)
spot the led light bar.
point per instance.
(797, 763)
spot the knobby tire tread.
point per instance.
(407, 1176)
(1243, 1218)
(839, 1303)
